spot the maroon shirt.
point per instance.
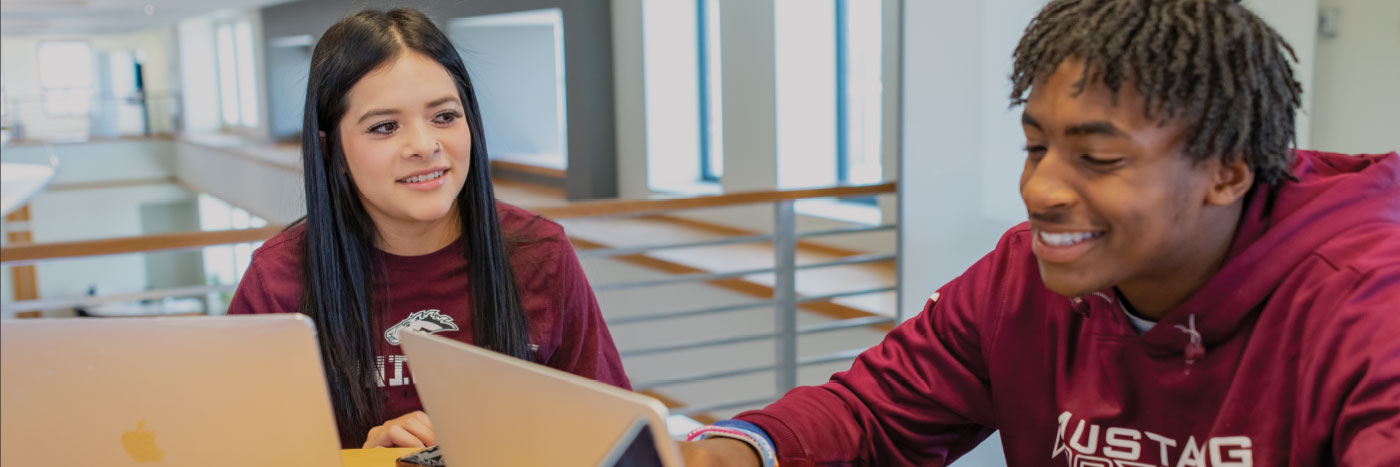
(1301, 366)
(430, 293)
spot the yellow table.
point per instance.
(377, 457)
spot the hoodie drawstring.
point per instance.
(1195, 349)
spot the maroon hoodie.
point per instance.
(1301, 366)
(430, 293)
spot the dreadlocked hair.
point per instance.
(1210, 63)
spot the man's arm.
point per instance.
(1367, 430)
(920, 397)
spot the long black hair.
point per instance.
(339, 259)
(1211, 63)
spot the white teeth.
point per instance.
(1066, 239)
(423, 178)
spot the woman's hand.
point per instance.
(412, 430)
(719, 452)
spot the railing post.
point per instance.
(785, 294)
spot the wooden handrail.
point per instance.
(112, 246)
(529, 169)
(645, 206)
(28, 253)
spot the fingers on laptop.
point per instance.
(416, 423)
(413, 429)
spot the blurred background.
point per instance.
(841, 158)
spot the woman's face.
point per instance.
(406, 142)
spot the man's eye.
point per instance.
(1034, 151)
(1099, 162)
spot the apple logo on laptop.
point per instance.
(140, 444)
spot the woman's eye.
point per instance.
(446, 117)
(384, 128)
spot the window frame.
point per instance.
(244, 101)
(46, 91)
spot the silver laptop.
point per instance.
(490, 409)
(209, 391)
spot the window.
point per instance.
(858, 92)
(828, 92)
(66, 78)
(683, 105)
(238, 85)
(225, 264)
(711, 108)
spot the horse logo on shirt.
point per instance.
(429, 321)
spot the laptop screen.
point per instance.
(641, 451)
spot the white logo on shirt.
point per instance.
(1126, 447)
(429, 321)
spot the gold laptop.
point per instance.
(186, 391)
(490, 409)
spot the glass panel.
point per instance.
(247, 78)
(712, 98)
(671, 76)
(228, 75)
(863, 92)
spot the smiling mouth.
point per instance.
(1064, 247)
(427, 177)
(1067, 238)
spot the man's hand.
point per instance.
(719, 452)
(412, 430)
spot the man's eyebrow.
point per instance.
(1100, 128)
(1027, 120)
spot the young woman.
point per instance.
(403, 232)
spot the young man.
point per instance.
(1188, 291)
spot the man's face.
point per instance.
(1111, 198)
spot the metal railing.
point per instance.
(785, 298)
(53, 115)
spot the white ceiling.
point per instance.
(96, 17)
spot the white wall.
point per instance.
(513, 64)
(100, 161)
(1296, 21)
(630, 96)
(748, 77)
(1358, 79)
(267, 190)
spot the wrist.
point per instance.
(759, 449)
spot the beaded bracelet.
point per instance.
(765, 452)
